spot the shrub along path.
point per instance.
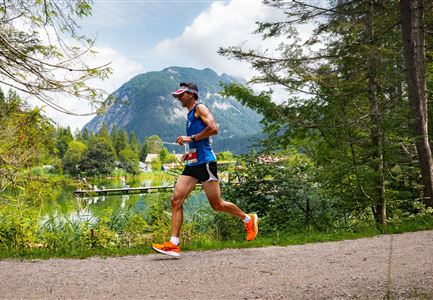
(387, 266)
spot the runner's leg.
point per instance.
(184, 186)
(213, 194)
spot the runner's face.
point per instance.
(185, 98)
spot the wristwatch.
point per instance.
(193, 137)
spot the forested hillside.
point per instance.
(144, 105)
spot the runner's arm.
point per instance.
(205, 115)
(211, 128)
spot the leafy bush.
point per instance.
(129, 161)
(99, 158)
(18, 228)
(281, 189)
(156, 164)
(74, 157)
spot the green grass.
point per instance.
(274, 239)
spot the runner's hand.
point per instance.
(183, 139)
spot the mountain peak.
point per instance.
(145, 106)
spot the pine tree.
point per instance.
(352, 116)
(63, 138)
(122, 141)
(413, 34)
(134, 143)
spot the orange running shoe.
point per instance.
(252, 227)
(167, 248)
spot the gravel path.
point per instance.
(388, 266)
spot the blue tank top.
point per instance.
(200, 151)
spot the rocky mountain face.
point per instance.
(145, 105)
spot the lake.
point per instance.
(87, 209)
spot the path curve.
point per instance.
(396, 266)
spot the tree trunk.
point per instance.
(377, 156)
(412, 14)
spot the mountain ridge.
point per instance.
(144, 104)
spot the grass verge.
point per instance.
(274, 239)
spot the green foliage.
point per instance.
(74, 157)
(96, 153)
(37, 67)
(26, 139)
(20, 211)
(134, 143)
(122, 141)
(153, 145)
(225, 227)
(171, 158)
(117, 232)
(316, 178)
(225, 156)
(129, 160)
(39, 192)
(156, 164)
(40, 171)
(83, 136)
(2, 97)
(281, 189)
(158, 216)
(149, 109)
(18, 228)
(136, 224)
(100, 157)
(114, 136)
(163, 155)
(103, 133)
(262, 102)
(63, 138)
(346, 106)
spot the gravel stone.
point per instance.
(396, 266)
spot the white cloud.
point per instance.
(222, 25)
(123, 69)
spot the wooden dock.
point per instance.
(125, 191)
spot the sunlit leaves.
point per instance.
(38, 56)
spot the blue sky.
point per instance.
(137, 36)
(134, 27)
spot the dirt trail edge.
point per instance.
(388, 266)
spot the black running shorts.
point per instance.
(204, 172)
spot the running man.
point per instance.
(201, 167)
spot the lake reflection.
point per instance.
(87, 209)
